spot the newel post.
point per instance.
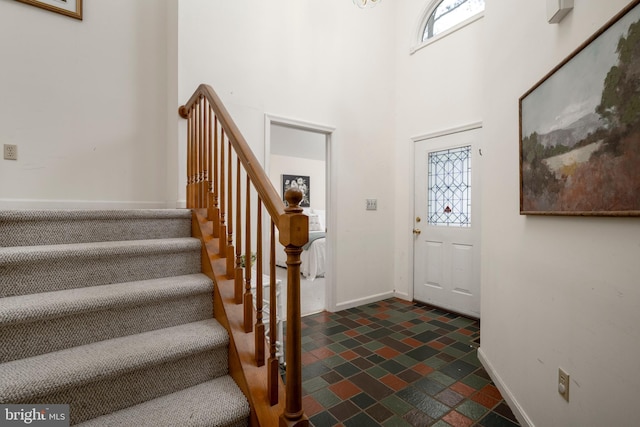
(294, 234)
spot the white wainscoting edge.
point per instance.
(79, 204)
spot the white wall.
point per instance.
(556, 291)
(319, 62)
(86, 103)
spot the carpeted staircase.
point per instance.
(108, 311)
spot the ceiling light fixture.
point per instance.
(366, 3)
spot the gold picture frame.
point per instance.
(72, 8)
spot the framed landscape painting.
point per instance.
(580, 128)
(303, 183)
(72, 8)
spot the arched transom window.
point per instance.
(446, 14)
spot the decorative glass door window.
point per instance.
(449, 190)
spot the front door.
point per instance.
(446, 224)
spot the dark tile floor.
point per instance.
(396, 363)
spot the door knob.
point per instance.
(416, 231)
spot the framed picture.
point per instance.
(72, 8)
(580, 128)
(303, 183)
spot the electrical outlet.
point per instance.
(372, 204)
(563, 384)
(10, 152)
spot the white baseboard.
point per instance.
(181, 204)
(402, 295)
(362, 301)
(518, 411)
(79, 204)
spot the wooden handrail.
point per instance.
(213, 142)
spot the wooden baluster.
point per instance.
(273, 364)
(230, 250)
(259, 335)
(222, 242)
(293, 226)
(239, 276)
(189, 155)
(204, 186)
(196, 124)
(248, 298)
(196, 148)
(192, 200)
(211, 177)
(203, 161)
(214, 212)
(194, 156)
(207, 187)
(203, 151)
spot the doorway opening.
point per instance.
(298, 154)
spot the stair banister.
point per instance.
(213, 141)
(250, 162)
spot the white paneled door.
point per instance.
(446, 223)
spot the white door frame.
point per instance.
(327, 131)
(414, 140)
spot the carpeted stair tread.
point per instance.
(218, 402)
(82, 214)
(50, 305)
(52, 321)
(36, 269)
(51, 372)
(20, 254)
(60, 226)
